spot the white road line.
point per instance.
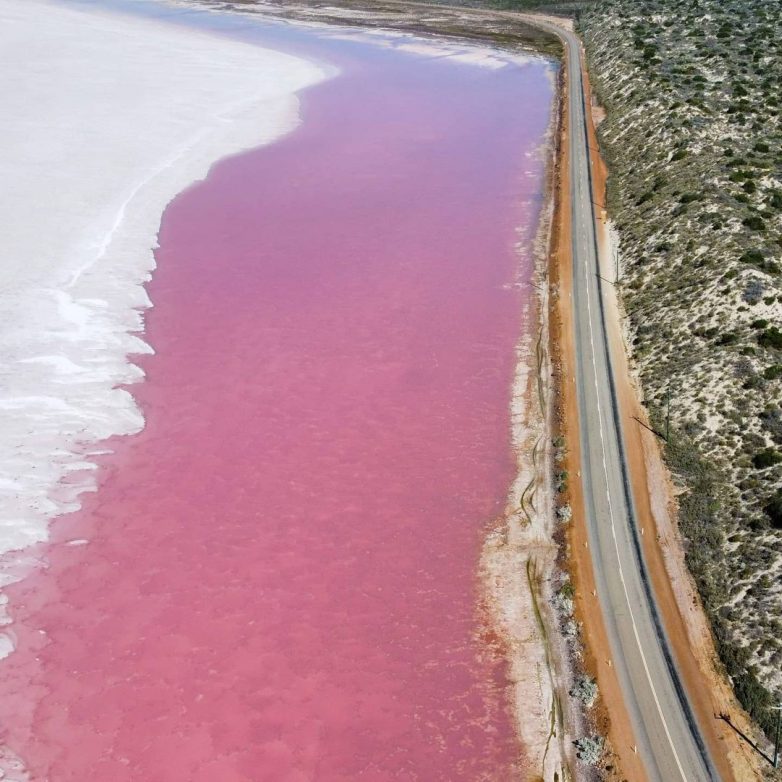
(576, 110)
(616, 544)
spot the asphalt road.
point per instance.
(665, 728)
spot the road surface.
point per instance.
(664, 725)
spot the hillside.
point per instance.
(694, 144)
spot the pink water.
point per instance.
(281, 576)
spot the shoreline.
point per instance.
(520, 609)
(441, 22)
(524, 539)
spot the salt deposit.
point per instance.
(105, 119)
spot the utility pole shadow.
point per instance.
(653, 431)
(726, 719)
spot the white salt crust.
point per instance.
(105, 118)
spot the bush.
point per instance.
(589, 749)
(564, 513)
(750, 692)
(585, 690)
(771, 421)
(753, 291)
(752, 256)
(771, 338)
(754, 223)
(731, 338)
(773, 372)
(768, 457)
(647, 196)
(774, 509)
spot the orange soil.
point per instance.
(611, 717)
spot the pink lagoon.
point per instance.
(277, 578)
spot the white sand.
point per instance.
(105, 118)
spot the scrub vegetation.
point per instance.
(693, 141)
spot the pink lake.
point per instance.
(281, 581)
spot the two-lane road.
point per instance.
(665, 728)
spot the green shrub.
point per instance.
(754, 222)
(768, 457)
(771, 338)
(774, 509)
(731, 338)
(752, 256)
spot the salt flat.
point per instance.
(106, 117)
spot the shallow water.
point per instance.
(280, 580)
